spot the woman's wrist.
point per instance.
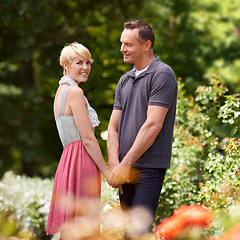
(106, 173)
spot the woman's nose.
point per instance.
(85, 65)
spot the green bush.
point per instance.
(221, 187)
(230, 112)
(198, 157)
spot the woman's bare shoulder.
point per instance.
(76, 91)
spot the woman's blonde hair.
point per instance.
(72, 51)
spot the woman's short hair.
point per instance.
(145, 31)
(72, 51)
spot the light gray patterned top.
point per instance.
(67, 129)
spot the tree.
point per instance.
(198, 39)
(33, 35)
(194, 38)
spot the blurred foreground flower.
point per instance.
(134, 223)
(232, 234)
(182, 218)
(95, 222)
(81, 228)
(214, 238)
(10, 229)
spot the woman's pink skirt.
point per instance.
(77, 177)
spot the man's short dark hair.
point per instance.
(145, 31)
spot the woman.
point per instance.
(79, 171)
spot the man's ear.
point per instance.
(148, 45)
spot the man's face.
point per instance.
(132, 50)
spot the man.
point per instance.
(140, 129)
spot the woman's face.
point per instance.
(79, 69)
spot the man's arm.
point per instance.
(112, 140)
(147, 134)
(145, 138)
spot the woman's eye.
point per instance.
(81, 63)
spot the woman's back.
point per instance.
(66, 126)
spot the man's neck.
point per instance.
(144, 62)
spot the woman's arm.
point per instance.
(76, 103)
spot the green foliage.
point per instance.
(28, 130)
(10, 227)
(197, 156)
(230, 112)
(220, 190)
(195, 39)
(33, 34)
(37, 219)
(221, 186)
(8, 224)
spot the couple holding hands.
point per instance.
(140, 129)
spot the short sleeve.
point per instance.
(163, 89)
(117, 101)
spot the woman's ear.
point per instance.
(65, 66)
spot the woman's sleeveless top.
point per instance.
(66, 126)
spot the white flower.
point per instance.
(104, 135)
(107, 207)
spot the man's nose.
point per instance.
(122, 49)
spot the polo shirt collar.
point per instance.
(152, 65)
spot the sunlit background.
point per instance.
(195, 38)
(200, 40)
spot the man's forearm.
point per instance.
(147, 134)
(113, 148)
(145, 138)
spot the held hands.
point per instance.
(119, 174)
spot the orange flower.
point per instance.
(184, 216)
(169, 228)
(195, 215)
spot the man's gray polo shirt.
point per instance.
(155, 86)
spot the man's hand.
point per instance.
(119, 175)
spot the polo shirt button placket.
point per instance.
(135, 83)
